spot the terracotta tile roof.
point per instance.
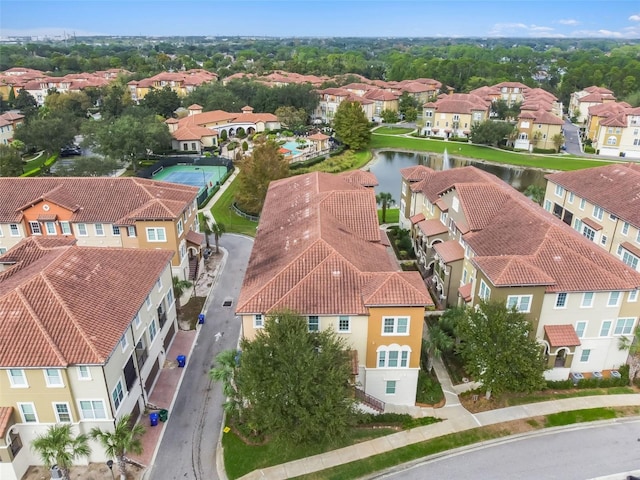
(465, 291)
(193, 132)
(512, 271)
(72, 303)
(547, 118)
(96, 200)
(360, 177)
(47, 217)
(561, 335)
(632, 248)
(432, 227)
(195, 237)
(6, 419)
(618, 120)
(416, 218)
(615, 188)
(315, 256)
(461, 103)
(449, 251)
(318, 136)
(592, 223)
(416, 173)
(480, 202)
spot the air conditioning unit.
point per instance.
(597, 375)
(56, 473)
(576, 377)
(615, 374)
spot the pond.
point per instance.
(386, 166)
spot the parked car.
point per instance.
(70, 150)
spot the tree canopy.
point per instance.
(351, 125)
(498, 349)
(163, 101)
(491, 132)
(10, 162)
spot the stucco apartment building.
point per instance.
(104, 212)
(182, 83)
(452, 115)
(477, 238)
(319, 251)
(83, 334)
(8, 123)
(582, 100)
(603, 205)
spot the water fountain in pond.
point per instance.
(446, 163)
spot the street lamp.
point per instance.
(110, 465)
(204, 179)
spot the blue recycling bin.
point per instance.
(153, 418)
(181, 360)
(201, 318)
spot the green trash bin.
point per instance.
(164, 415)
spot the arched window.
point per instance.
(612, 140)
(393, 356)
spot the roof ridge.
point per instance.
(39, 324)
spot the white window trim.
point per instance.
(124, 394)
(80, 377)
(12, 232)
(518, 302)
(51, 231)
(258, 320)
(124, 342)
(137, 321)
(53, 385)
(485, 287)
(593, 296)
(24, 376)
(67, 230)
(57, 414)
(309, 323)
(386, 387)
(584, 330)
(35, 225)
(153, 324)
(387, 349)
(633, 296)
(609, 304)
(35, 413)
(131, 231)
(395, 332)
(588, 350)
(78, 230)
(92, 400)
(95, 227)
(566, 300)
(155, 231)
(625, 320)
(348, 330)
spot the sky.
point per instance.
(617, 19)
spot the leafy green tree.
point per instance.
(225, 370)
(162, 101)
(59, 447)
(87, 167)
(128, 138)
(558, 141)
(411, 114)
(10, 162)
(291, 117)
(75, 104)
(26, 104)
(296, 383)
(389, 116)
(351, 125)
(385, 200)
(535, 193)
(264, 165)
(490, 132)
(499, 351)
(117, 443)
(115, 99)
(49, 134)
(632, 344)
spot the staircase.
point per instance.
(193, 268)
(368, 400)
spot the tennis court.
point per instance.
(195, 176)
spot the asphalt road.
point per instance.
(577, 453)
(571, 140)
(188, 448)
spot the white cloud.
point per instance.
(521, 29)
(635, 18)
(569, 21)
(597, 34)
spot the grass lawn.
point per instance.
(401, 455)
(223, 213)
(547, 162)
(392, 215)
(393, 130)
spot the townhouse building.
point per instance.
(453, 115)
(83, 334)
(8, 123)
(182, 83)
(582, 100)
(619, 134)
(331, 98)
(602, 204)
(600, 112)
(537, 129)
(123, 212)
(319, 251)
(476, 238)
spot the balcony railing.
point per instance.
(370, 401)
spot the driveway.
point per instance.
(188, 449)
(572, 138)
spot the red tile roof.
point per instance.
(561, 335)
(72, 303)
(465, 291)
(592, 223)
(6, 414)
(432, 227)
(360, 177)
(416, 218)
(195, 237)
(449, 251)
(318, 251)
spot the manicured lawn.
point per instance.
(392, 215)
(393, 130)
(547, 162)
(580, 416)
(223, 213)
(587, 392)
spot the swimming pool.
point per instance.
(292, 147)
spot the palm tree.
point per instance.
(123, 439)
(535, 193)
(218, 229)
(224, 371)
(385, 200)
(633, 345)
(205, 227)
(436, 344)
(179, 287)
(58, 447)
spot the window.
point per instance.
(82, 229)
(17, 378)
(99, 229)
(629, 259)
(522, 303)
(115, 230)
(583, 203)
(624, 326)
(159, 283)
(169, 297)
(156, 234)
(561, 300)
(344, 324)
(258, 322)
(587, 300)
(28, 412)
(484, 292)
(131, 231)
(92, 409)
(51, 228)
(3, 250)
(14, 231)
(633, 296)
(153, 330)
(547, 205)
(147, 302)
(35, 228)
(314, 323)
(393, 356)
(625, 228)
(63, 415)
(588, 232)
(584, 356)
(395, 325)
(612, 140)
(605, 328)
(53, 377)
(559, 191)
(84, 373)
(603, 240)
(180, 227)
(614, 299)
(580, 329)
(117, 395)
(597, 212)
(124, 343)
(65, 228)
(571, 197)
(390, 387)
(136, 320)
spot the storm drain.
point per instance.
(227, 302)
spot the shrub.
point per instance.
(224, 135)
(589, 149)
(545, 150)
(429, 390)
(245, 146)
(337, 151)
(240, 133)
